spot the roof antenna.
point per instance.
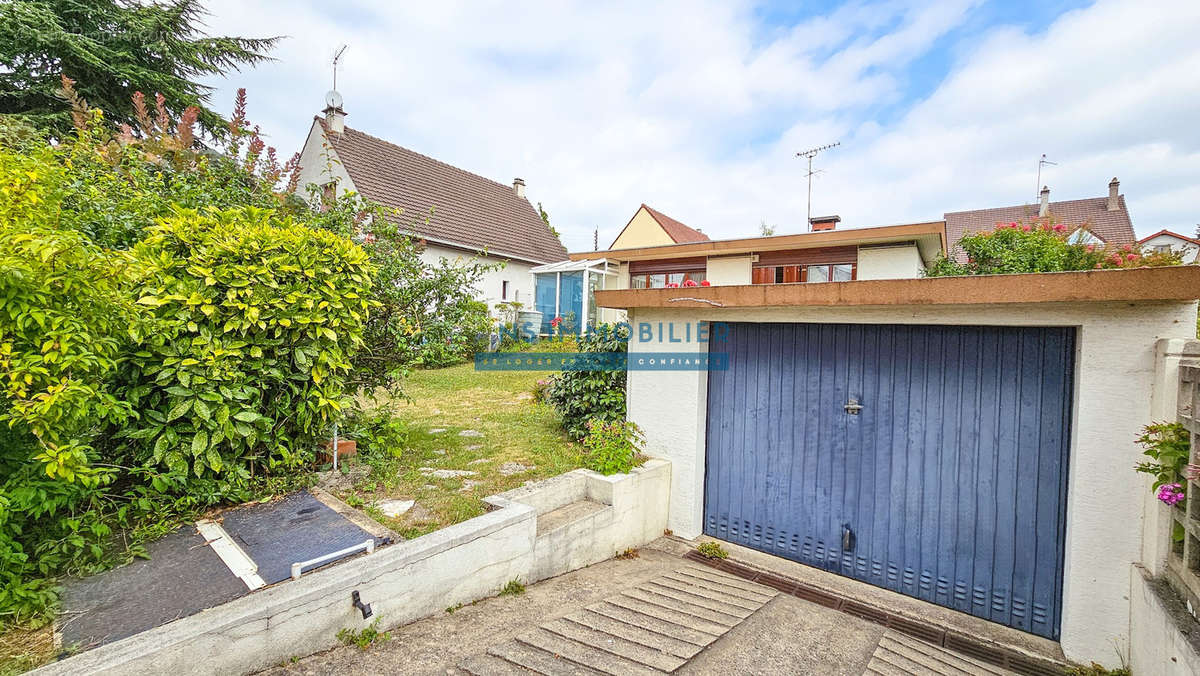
(596, 239)
(1037, 192)
(337, 56)
(810, 154)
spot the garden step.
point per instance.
(490, 665)
(632, 632)
(568, 514)
(581, 653)
(538, 660)
(653, 624)
(610, 643)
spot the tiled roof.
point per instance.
(1169, 233)
(676, 230)
(469, 210)
(1114, 227)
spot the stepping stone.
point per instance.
(511, 468)
(439, 451)
(445, 473)
(437, 430)
(474, 447)
(470, 433)
(482, 461)
(469, 485)
(394, 508)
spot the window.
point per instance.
(1162, 248)
(788, 274)
(662, 279)
(504, 290)
(1085, 236)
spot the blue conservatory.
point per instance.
(567, 290)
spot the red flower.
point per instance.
(705, 283)
(688, 282)
(1131, 257)
(672, 285)
(555, 322)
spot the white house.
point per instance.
(1165, 240)
(454, 213)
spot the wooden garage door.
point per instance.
(948, 484)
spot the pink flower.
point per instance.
(1172, 494)
(1098, 266)
(705, 283)
(1131, 257)
(1012, 224)
(1091, 247)
(688, 282)
(1026, 228)
(1060, 228)
(672, 285)
(1128, 247)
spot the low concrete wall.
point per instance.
(403, 582)
(1164, 638)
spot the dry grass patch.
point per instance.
(22, 649)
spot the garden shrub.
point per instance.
(1041, 246)
(580, 396)
(612, 447)
(254, 322)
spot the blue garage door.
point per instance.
(929, 460)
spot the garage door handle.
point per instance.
(852, 407)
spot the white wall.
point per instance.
(1190, 250)
(889, 262)
(1157, 646)
(402, 582)
(729, 270)
(1114, 381)
(489, 285)
(319, 164)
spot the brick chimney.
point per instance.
(1114, 187)
(335, 119)
(519, 187)
(820, 223)
(1044, 207)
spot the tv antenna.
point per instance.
(810, 154)
(1037, 189)
(337, 56)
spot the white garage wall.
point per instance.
(889, 262)
(1115, 371)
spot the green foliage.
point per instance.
(612, 447)
(1169, 448)
(115, 48)
(1042, 246)
(254, 321)
(367, 637)
(512, 588)
(580, 396)
(1096, 669)
(712, 550)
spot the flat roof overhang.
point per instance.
(1176, 283)
(930, 237)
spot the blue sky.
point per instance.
(697, 108)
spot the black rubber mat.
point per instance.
(297, 528)
(182, 576)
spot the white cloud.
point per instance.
(697, 108)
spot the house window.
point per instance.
(1162, 248)
(662, 279)
(504, 290)
(788, 274)
(1084, 236)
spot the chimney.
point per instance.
(1114, 186)
(824, 223)
(335, 117)
(519, 187)
(1045, 206)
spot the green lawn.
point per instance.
(497, 404)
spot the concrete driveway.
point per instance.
(652, 613)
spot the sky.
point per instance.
(698, 108)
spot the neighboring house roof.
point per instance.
(1182, 238)
(469, 210)
(1114, 227)
(676, 230)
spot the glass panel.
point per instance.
(594, 282)
(570, 303)
(544, 292)
(696, 277)
(779, 275)
(637, 282)
(818, 273)
(843, 273)
(675, 278)
(658, 281)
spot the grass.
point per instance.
(22, 649)
(712, 550)
(497, 404)
(512, 588)
(369, 636)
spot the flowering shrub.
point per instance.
(1169, 449)
(612, 447)
(1172, 494)
(1041, 246)
(580, 396)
